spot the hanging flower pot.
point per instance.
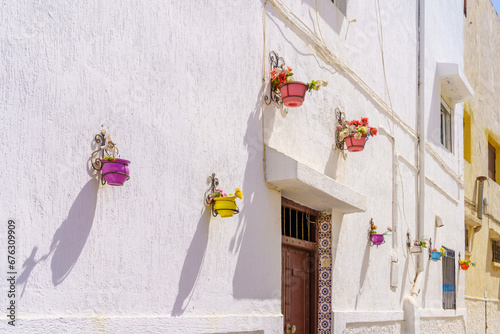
(222, 204)
(116, 171)
(355, 145)
(465, 264)
(377, 239)
(225, 206)
(283, 84)
(436, 256)
(354, 133)
(293, 93)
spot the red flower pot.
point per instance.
(293, 93)
(464, 266)
(355, 145)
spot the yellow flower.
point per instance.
(238, 193)
(363, 130)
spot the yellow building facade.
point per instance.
(482, 167)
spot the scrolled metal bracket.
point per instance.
(274, 95)
(214, 183)
(340, 117)
(107, 149)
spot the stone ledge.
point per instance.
(309, 187)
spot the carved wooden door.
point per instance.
(299, 278)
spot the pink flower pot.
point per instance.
(115, 172)
(293, 93)
(377, 239)
(355, 145)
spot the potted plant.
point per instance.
(378, 239)
(115, 171)
(224, 204)
(355, 133)
(292, 92)
(464, 264)
(437, 255)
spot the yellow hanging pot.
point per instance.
(225, 206)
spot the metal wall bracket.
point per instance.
(274, 95)
(340, 117)
(108, 149)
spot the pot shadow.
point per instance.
(192, 265)
(364, 270)
(251, 278)
(68, 240)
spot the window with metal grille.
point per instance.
(297, 221)
(467, 238)
(449, 295)
(495, 246)
(492, 157)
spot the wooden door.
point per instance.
(297, 289)
(299, 269)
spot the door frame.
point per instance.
(309, 246)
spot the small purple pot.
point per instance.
(377, 239)
(115, 172)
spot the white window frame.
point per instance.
(446, 126)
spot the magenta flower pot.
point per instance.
(293, 93)
(377, 239)
(115, 172)
(355, 145)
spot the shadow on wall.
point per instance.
(255, 239)
(69, 239)
(364, 270)
(192, 265)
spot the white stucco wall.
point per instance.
(178, 87)
(362, 274)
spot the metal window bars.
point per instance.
(449, 293)
(297, 224)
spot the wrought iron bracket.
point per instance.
(214, 183)
(107, 149)
(430, 248)
(340, 117)
(274, 95)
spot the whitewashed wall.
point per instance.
(363, 299)
(177, 84)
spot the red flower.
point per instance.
(289, 69)
(282, 78)
(354, 122)
(364, 121)
(273, 74)
(373, 131)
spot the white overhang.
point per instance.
(454, 84)
(308, 187)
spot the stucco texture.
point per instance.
(442, 326)
(375, 328)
